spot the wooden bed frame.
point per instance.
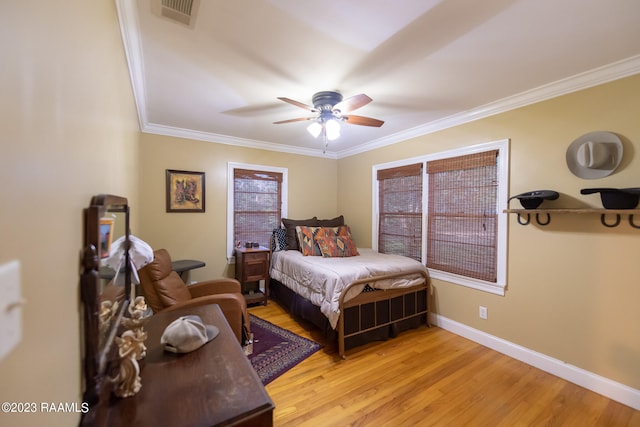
(370, 316)
(382, 307)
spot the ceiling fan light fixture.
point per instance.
(332, 128)
(314, 129)
(331, 108)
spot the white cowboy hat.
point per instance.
(594, 155)
(140, 254)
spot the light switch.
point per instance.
(10, 307)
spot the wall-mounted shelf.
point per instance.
(603, 214)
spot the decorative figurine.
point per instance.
(131, 348)
(107, 310)
(127, 383)
(139, 315)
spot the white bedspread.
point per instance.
(321, 280)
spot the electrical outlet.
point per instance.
(483, 312)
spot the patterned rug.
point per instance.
(276, 350)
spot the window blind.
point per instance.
(400, 211)
(462, 215)
(257, 202)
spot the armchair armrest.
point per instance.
(215, 286)
(232, 305)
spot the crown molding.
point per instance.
(614, 71)
(128, 17)
(598, 76)
(231, 140)
(129, 28)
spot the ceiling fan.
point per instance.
(332, 109)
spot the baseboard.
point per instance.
(596, 383)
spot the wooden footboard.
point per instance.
(371, 310)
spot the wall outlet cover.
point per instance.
(483, 312)
(10, 307)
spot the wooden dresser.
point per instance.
(212, 386)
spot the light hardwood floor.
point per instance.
(427, 377)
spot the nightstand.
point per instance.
(252, 267)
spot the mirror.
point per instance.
(112, 228)
(112, 287)
(104, 302)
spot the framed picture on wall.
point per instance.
(185, 191)
(106, 236)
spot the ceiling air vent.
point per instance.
(178, 10)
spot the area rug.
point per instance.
(276, 350)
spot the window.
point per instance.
(462, 218)
(257, 202)
(400, 210)
(462, 229)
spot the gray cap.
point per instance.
(187, 333)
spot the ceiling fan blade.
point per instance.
(297, 104)
(352, 103)
(299, 119)
(363, 121)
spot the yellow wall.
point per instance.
(69, 130)
(573, 286)
(312, 191)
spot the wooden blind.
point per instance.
(400, 216)
(462, 215)
(257, 202)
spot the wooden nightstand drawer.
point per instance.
(259, 256)
(254, 270)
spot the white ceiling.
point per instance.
(427, 64)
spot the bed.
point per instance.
(356, 298)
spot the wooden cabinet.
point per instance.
(213, 385)
(252, 269)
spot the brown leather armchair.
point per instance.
(164, 290)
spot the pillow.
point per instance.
(308, 245)
(335, 242)
(345, 242)
(279, 241)
(333, 222)
(326, 239)
(291, 224)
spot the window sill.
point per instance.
(480, 285)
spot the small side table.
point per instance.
(184, 266)
(181, 266)
(252, 266)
